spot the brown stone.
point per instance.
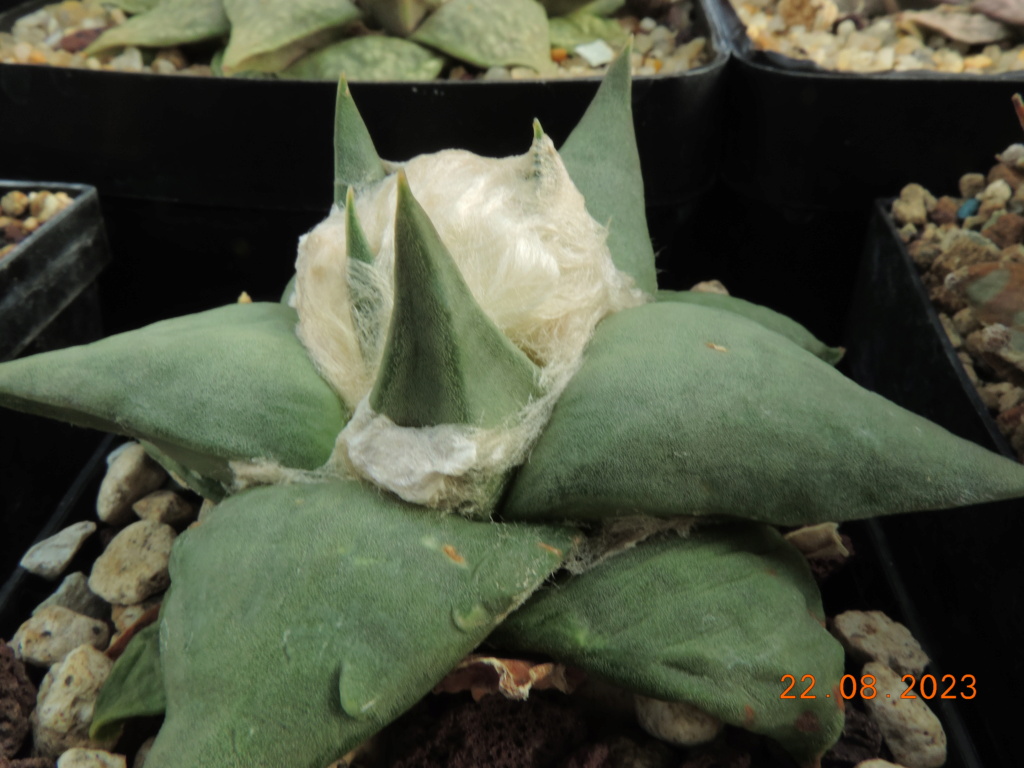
(924, 252)
(945, 210)
(17, 699)
(1011, 176)
(27, 762)
(969, 248)
(1006, 230)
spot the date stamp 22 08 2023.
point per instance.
(849, 687)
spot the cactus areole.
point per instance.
(436, 438)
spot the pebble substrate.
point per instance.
(22, 213)
(955, 240)
(818, 31)
(58, 34)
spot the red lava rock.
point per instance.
(861, 740)
(945, 210)
(15, 232)
(80, 40)
(498, 733)
(1007, 230)
(17, 700)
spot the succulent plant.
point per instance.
(394, 39)
(473, 419)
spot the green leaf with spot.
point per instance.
(134, 688)
(604, 164)
(232, 383)
(682, 409)
(580, 27)
(490, 33)
(267, 37)
(172, 22)
(715, 620)
(304, 618)
(372, 58)
(769, 318)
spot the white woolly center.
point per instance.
(533, 258)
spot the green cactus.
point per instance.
(462, 337)
(393, 39)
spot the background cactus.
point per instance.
(365, 39)
(455, 317)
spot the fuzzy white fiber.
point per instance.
(531, 255)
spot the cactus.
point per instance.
(393, 39)
(473, 419)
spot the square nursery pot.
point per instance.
(962, 569)
(222, 175)
(48, 299)
(807, 150)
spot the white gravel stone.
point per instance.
(676, 722)
(873, 636)
(77, 757)
(166, 507)
(818, 541)
(67, 698)
(74, 594)
(130, 476)
(52, 633)
(51, 556)
(876, 763)
(911, 730)
(134, 564)
(596, 53)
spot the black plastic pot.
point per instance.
(201, 166)
(962, 568)
(807, 151)
(49, 271)
(48, 299)
(826, 140)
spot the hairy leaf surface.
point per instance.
(769, 318)
(603, 161)
(714, 620)
(682, 409)
(232, 383)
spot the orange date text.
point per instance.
(865, 687)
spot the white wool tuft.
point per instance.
(537, 264)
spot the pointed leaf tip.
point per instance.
(603, 161)
(356, 163)
(538, 131)
(444, 362)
